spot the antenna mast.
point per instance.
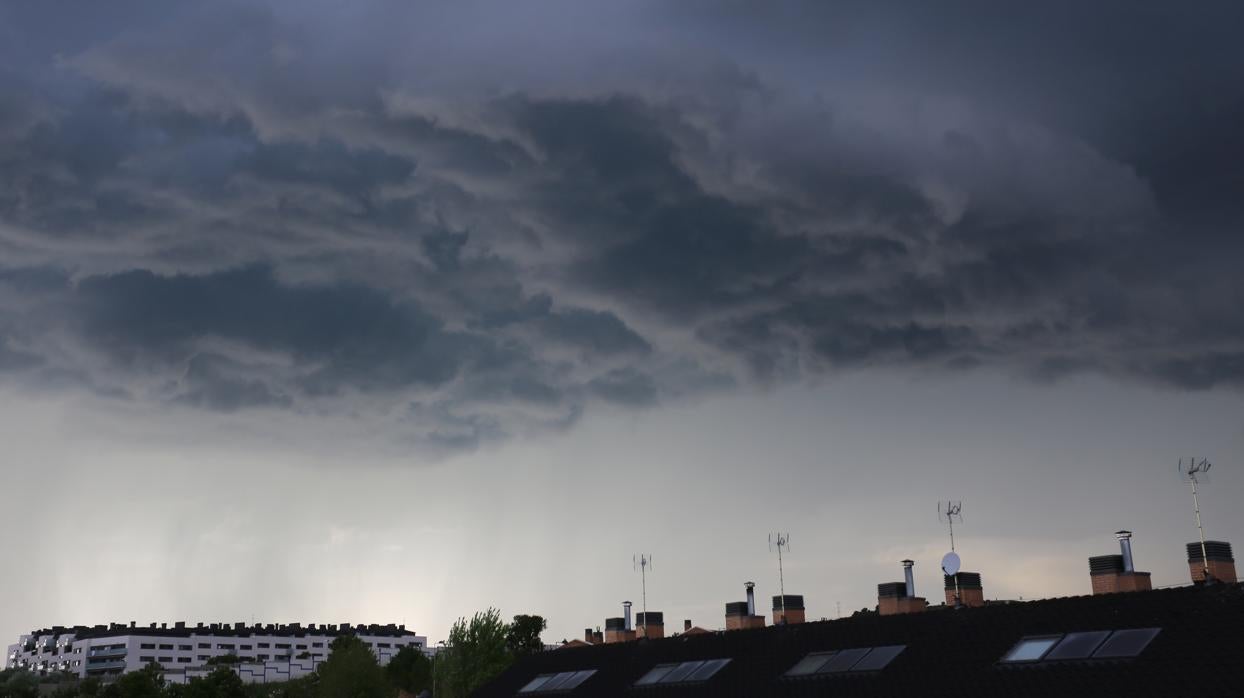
(950, 511)
(1190, 471)
(780, 540)
(642, 561)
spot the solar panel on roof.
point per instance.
(657, 673)
(707, 671)
(681, 672)
(1077, 645)
(1126, 643)
(843, 661)
(879, 658)
(1031, 649)
(578, 678)
(810, 664)
(536, 683)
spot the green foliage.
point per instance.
(18, 683)
(90, 687)
(409, 670)
(476, 653)
(223, 682)
(144, 683)
(522, 636)
(224, 659)
(351, 671)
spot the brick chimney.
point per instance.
(900, 597)
(1217, 558)
(737, 617)
(787, 610)
(741, 615)
(686, 625)
(1112, 574)
(650, 625)
(971, 594)
(616, 631)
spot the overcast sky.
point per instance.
(389, 312)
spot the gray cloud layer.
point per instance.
(486, 219)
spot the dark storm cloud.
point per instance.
(334, 209)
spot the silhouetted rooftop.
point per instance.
(947, 652)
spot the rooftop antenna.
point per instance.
(950, 512)
(1189, 473)
(779, 541)
(642, 561)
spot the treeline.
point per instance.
(478, 650)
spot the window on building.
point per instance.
(246, 647)
(1031, 649)
(1126, 643)
(856, 659)
(166, 647)
(383, 644)
(165, 660)
(183, 660)
(146, 646)
(301, 647)
(264, 645)
(205, 646)
(282, 646)
(686, 672)
(220, 646)
(146, 660)
(565, 681)
(1077, 645)
(185, 648)
(317, 644)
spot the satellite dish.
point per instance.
(950, 564)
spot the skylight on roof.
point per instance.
(564, 681)
(1031, 649)
(879, 658)
(686, 672)
(810, 664)
(852, 660)
(1077, 645)
(1126, 643)
(1095, 644)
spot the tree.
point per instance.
(18, 683)
(475, 654)
(522, 637)
(223, 682)
(409, 670)
(351, 671)
(144, 683)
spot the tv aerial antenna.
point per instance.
(1193, 472)
(780, 541)
(641, 562)
(950, 512)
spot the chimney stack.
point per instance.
(652, 624)
(1217, 557)
(686, 625)
(616, 631)
(899, 597)
(751, 597)
(788, 610)
(1112, 574)
(971, 594)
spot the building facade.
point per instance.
(257, 653)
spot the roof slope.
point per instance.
(949, 653)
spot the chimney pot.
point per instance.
(1125, 547)
(626, 614)
(751, 597)
(909, 577)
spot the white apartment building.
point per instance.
(257, 653)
